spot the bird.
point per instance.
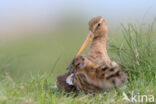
(95, 71)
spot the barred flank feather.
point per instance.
(82, 84)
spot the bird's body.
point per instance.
(89, 77)
(95, 71)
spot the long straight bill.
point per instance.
(85, 43)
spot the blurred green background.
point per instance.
(43, 36)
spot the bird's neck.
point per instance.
(97, 51)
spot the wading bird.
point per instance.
(95, 71)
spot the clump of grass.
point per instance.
(136, 56)
(136, 52)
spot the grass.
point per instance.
(134, 51)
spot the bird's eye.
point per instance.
(99, 24)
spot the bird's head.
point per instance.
(97, 26)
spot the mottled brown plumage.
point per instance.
(95, 71)
(61, 83)
(97, 77)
